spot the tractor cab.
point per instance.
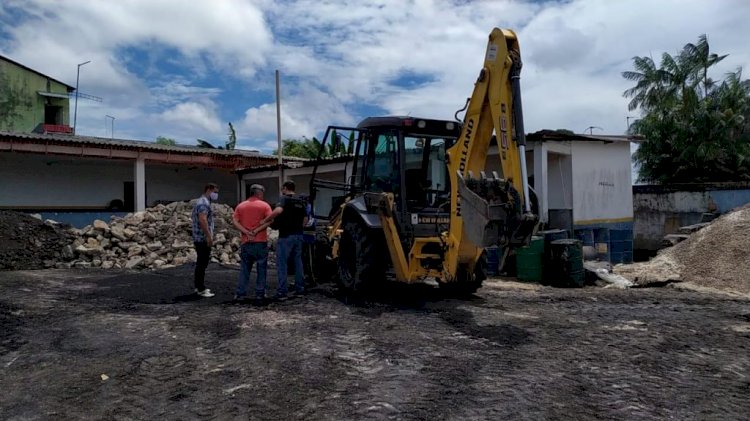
(404, 156)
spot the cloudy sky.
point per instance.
(183, 69)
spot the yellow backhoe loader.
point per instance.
(417, 203)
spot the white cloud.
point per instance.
(336, 56)
(175, 91)
(305, 112)
(230, 36)
(193, 115)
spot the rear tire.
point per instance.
(360, 263)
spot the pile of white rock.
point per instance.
(157, 238)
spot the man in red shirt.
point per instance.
(248, 217)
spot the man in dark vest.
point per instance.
(289, 217)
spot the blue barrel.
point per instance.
(493, 260)
(586, 235)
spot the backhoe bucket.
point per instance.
(483, 222)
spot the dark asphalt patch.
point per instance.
(170, 286)
(503, 335)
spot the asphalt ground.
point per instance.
(116, 345)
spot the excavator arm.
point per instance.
(491, 210)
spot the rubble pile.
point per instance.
(715, 256)
(157, 238)
(27, 242)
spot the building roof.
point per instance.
(140, 144)
(70, 88)
(552, 135)
(97, 147)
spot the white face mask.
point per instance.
(214, 196)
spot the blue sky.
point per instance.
(183, 69)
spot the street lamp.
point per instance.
(78, 75)
(112, 132)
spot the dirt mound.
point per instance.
(29, 243)
(717, 256)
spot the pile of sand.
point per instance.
(717, 256)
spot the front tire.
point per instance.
(360, 263)
(467, 283)
(319, 268)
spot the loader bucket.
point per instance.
(484, 222)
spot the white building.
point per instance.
(584, 184)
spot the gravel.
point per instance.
(716, 257)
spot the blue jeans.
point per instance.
(251, 253)
(286, 247)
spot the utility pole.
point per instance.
(278, 130)
(112, 132)
(78, 77)
(627, 123)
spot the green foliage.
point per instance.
(696, 129)
(310, 148)
(565, 131)
(161, 140)
(229, 145)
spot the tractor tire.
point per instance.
(360, 264)
(466, 284)
(319, 269)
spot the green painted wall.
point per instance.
(22, 109)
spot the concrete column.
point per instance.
(540, 179)
(241, 189)
(140, 184)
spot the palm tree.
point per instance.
(677, 74)
(696, 129)
(650, 80)
(700, 59)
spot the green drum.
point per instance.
(565, 263)
(529, 261)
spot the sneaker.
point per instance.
(260, 302)
(206, 293)
(279, 297)
(240, 297)
(298, 293)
